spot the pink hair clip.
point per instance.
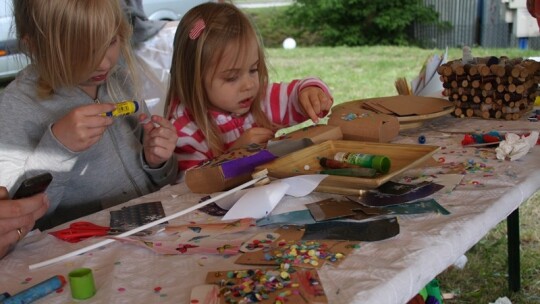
(197, 29)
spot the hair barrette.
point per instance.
(197, 29)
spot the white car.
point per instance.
(169, 9)
(11, 61)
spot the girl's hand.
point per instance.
(315, 102)
(159, 140)
(83, 126)
(254, 135)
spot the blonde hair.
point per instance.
(195, 58)
(66, 39)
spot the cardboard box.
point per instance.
(357, 123)
(380, 119)
(226, 171)
(317, 133)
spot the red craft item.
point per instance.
(468, 139)
(80, 230)
(490, 138)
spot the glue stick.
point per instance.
(380, 163)
(123, 108)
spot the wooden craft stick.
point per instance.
(144, 227)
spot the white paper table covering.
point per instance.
(389, 271)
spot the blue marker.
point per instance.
(37, 291)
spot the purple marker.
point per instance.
(37, 291)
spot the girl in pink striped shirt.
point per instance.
(219, 96)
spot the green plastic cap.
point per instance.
(381, 163)
(82, 283)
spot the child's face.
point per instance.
(108, 62)
(234, 85)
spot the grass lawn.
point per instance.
(363, 72)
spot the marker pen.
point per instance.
(37, 291)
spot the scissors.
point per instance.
(78, 231)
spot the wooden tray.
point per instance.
(402, 157)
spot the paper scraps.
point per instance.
(205, 238)
(259, 201)
(515, 146)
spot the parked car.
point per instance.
(12, 61)
(169, 9)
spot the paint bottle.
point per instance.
(380, 163)
(124, 108)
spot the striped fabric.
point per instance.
(280, 104)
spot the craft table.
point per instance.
(388, 271)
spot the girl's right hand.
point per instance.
(83, 126)
(254, 135)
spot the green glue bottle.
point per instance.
(380, 163)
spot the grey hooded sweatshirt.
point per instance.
(110, 172)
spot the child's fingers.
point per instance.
(326, 102)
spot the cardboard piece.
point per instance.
(358, 123)
(304, 286)
(290, 235)
(317, 133)
(407, 105)
(332, 208)
(369, 119)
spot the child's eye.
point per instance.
(254, 71)
(231, 78)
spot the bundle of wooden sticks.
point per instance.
(491, 87)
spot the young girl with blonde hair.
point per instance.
(52, 115)
(220, 97)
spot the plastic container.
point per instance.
(82, 283)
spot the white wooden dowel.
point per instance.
(144, 227)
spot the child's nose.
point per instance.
(105, 64)
(249, 82)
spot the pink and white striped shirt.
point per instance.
(280, 104)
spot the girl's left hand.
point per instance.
(315, 102)
(159, 140)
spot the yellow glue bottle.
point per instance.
(123, 108)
